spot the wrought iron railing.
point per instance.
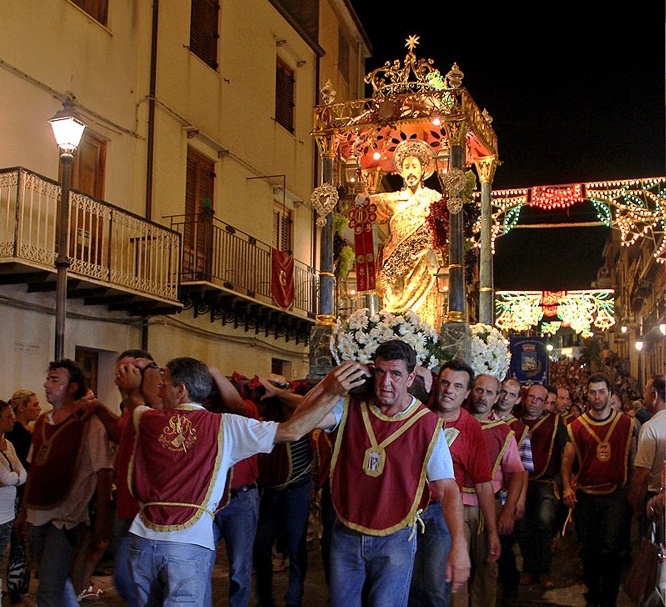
(218, 253)
(107, 245)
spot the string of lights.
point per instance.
(636, 207)
(520, 311)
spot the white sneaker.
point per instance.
(90, 593)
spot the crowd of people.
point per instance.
(198, 461)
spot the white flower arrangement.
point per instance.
(490, 351)
(358, 337)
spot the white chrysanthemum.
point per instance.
(359, 336)
(490, 352)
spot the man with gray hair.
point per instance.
(506, 463)
(179, 471)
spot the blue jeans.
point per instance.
(122, 578)
(600, 521)
(236, 523)
(53, 551)
(167, 574)
(535, 532)
(286, 509)
(383, 564)
(428, 587)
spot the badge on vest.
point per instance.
(373, 461)
(43, 453)
(603, 452)
(450, 434)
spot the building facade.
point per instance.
(195, 170)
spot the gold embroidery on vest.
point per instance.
(178, 434)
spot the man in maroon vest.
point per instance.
(387, 447)
(467, 444)
(506, 464)
(180, 467)
(602, 444)
(70, 461)
(535, 532)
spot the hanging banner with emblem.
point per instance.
(529, 360)
(282, 278)
(361, 217)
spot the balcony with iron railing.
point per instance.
(117, 259)
(227, 273)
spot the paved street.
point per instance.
(568, 589)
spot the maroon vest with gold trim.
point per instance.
(497, 434)
(519, 427)
(543, 432)
(602, 451)
(376, 488)
(322, 443)
(55, 457)
(173, 467)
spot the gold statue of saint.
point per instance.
(408, 261)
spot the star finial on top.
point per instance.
(412, 41)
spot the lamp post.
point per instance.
(67, 130)
(639, 348)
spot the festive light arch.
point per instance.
(520, 311)
(636, 207)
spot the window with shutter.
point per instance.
(204, 32)
(97, 9)
(282, 228)
(197, 232)
(343, 56)
(88, 175)
(284, 95)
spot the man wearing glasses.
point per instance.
(535, 532)
(179, 470)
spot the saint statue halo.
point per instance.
(419, 149)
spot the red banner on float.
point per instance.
(361, 217)
(282, 278)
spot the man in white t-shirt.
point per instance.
(649, 461)
(179, 470)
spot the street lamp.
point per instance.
(67, 130)
(639, 348)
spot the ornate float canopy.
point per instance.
(410, 100)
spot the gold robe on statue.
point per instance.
(407, 272)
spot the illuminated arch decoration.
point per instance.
(520, 311)
(636, 207)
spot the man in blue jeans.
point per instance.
(179, 470)
(387, 446)
(285, 480)
(236, 524)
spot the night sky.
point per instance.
(576, 95)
